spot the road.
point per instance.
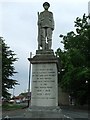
(72, 114)
(62, 113)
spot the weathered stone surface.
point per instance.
(44, 87)
(44, 80)
(45, 28)
(44, 52)
(44, 57)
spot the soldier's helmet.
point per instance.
(46, 3)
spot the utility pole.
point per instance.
(13, 92)
(29, 81)
(89, 12)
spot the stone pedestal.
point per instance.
(44, 86)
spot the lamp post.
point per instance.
(29, 80)
(13, 92)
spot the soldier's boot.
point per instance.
(43, 45)
(49, 43)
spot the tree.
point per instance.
(75, 60)
(8, 70)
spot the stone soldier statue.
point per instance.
(45, 28)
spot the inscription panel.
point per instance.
(44, 85)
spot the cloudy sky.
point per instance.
(18, 26)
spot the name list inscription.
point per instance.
(44, 78)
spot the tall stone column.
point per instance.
(44, 87)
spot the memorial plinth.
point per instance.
(44, 86)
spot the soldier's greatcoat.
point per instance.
(46, 26)
(46, 19)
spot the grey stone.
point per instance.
(44, 86)
(45, 28)
(44, 80)
(45, 52)
(42, 108)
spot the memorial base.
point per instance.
(44, 86)
(47, 109)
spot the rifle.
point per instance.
(39, 33)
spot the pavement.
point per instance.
(33, 113)
(57, 113)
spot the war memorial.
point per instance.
(44, 86)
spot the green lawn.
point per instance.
(11, 106)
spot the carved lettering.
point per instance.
(43, 81)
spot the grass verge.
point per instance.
(11, 106)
